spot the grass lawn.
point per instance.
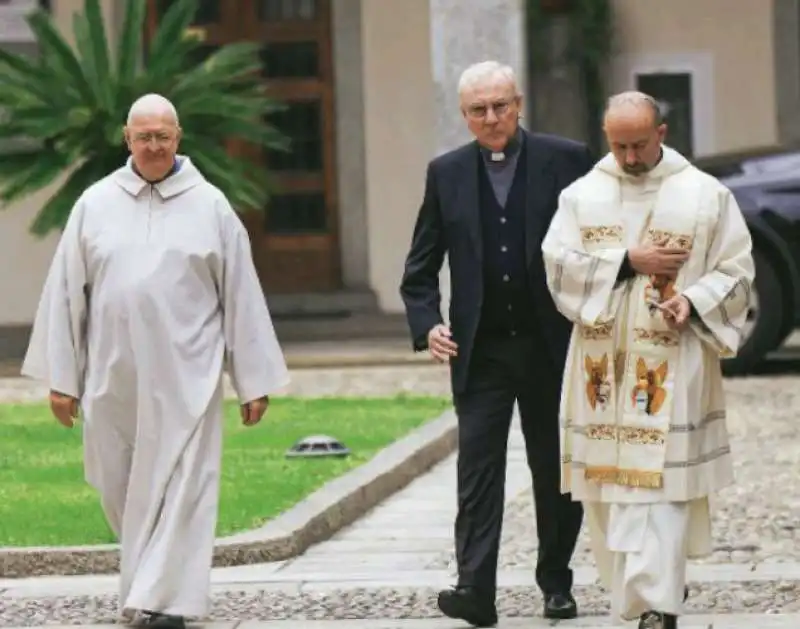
(44, 499)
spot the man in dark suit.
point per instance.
(487, 206)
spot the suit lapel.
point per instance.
(539, 191)
(468, 198)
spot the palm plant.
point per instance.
(65, 110)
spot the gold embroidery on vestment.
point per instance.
(671, 240)
(598, 385)
(640, 436)
(601, 432)
(601, 233)
(660, 289)
(629, 478)
(597, 332)
(656, 337)
(633, 435)
(648, 394)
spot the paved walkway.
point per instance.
(380, 570)
(386, 568)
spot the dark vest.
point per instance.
(508, 307)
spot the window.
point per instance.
(684, 83)
(301, 122)
(296, 213)
(673, 91)
(290, 60)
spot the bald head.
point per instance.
(635, 129)
(633, 105)
(152, 106)
(152, 135)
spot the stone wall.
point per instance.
(464, 32)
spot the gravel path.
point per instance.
(382, 603)
(755, 521)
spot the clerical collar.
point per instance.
(510, 150)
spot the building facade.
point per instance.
(371, 89)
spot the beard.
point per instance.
(638, 168)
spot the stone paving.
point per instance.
(729, 621)
(386, 568)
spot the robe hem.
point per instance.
(626, 477)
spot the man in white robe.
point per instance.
(152, 288)
(651, 260)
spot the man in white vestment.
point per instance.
(650, 259)
(152, 288)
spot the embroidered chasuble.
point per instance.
(642, 407)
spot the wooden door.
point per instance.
(295, 238)
(216, 23)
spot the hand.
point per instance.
(64, 408)
(252, 412)
(677, 311)
(440, 343)
(656, 259)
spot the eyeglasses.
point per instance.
(499, 108)
(161, 139)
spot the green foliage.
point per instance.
(66, 109)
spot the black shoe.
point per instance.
(163, 621)
(656, 620)
(465, 603)
(685, 593)
(560, 606)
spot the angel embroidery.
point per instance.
(648, 393)
(598, 387)
(660, 289)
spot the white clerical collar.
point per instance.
(511, 149)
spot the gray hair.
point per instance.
(486, 72)
(635, 99)
(152, 105)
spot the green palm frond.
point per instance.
(64, 111)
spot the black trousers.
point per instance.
(502, 371)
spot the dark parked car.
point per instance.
(766, 184)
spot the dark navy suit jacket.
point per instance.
(449, 223)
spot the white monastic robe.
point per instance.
(643, 435)
(151, 289)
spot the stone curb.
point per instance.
(315, 519)
(338, 361)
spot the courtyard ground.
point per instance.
(384, 571)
